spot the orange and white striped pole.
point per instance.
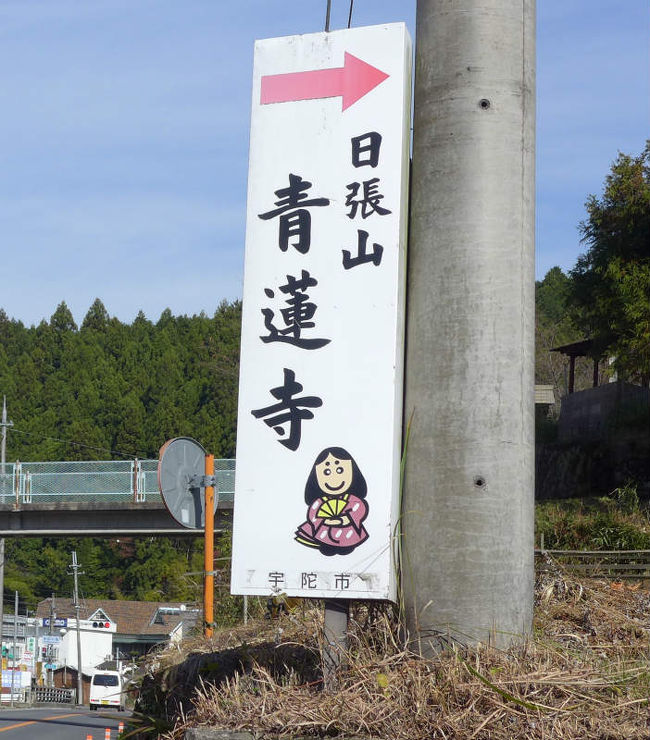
(107, 734)
(208, 562)
(120, 729)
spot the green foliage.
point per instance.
(228, 609)
(123, 388)
(141, 725)
(551, 295)
(143, 569)
(610, 284)
(553, 328)
(109, 390)
(613, 523)
(626, 497)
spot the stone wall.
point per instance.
(590, 414)
(593, 468)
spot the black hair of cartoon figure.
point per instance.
(358, 486)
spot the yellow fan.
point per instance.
(332, 507)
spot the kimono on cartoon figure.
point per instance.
(335, 495)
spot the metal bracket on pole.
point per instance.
(203, 481)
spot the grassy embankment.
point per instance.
(584, 673)
(615, 522)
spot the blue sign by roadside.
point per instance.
(58, 622)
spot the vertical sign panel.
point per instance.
(320, 397)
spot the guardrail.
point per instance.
(51, 695)
(20, 696)
(617, 564)
(94, 481)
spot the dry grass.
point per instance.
(585, 674)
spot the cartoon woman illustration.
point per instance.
(334, 494)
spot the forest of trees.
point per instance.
(553, 328)
(119, 390)
(606, 296)
(610, 283)
(109, 390)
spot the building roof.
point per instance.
(583, 348)
(130, 617)
(71, 669)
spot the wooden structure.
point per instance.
(583, 348)
(66, 678)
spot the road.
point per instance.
(57, 723)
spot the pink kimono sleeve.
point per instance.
(357, 510)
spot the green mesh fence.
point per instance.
(95, 481)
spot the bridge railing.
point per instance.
(94, 481)
(48, 695)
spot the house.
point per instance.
(66, 678)
(120, 629)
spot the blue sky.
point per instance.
(124, 133)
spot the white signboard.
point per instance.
(320, 398)
(21, 679)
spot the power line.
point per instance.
(81, 444)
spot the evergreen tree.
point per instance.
(106, 389)
(97, 317)
(610, 284)
(551, 296)
(62, 319)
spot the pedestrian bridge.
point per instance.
(96, 498)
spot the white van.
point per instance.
(106, 690)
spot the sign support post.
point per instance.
(208, 562)
(335, 644)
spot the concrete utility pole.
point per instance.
(3, 459)
(2, 589)
(469, 488)
(50, 650)
(3, 447)
(77, 606)
(14, 648)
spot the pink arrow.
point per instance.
(353, 80)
